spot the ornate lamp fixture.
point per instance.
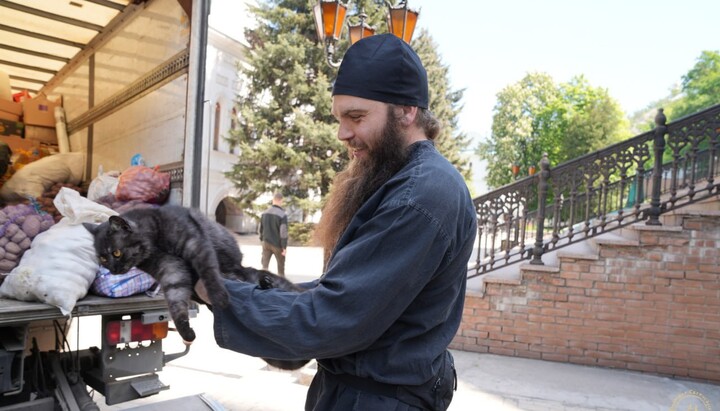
(401, 20)
(360, 30)
(330, 16)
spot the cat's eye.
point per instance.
(103, 260)
(117, 253)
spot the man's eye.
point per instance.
(117, 253)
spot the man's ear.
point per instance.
(409, 113)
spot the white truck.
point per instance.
(131, 76)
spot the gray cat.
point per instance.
(179, 246)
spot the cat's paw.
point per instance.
(188, 336)
(266, 282)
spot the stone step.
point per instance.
(589, 249)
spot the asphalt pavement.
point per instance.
(485, 382)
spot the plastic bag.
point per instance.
(77, 209)
(103, 184)
(144, 184)
(133, 282)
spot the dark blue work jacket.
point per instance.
(392, 296)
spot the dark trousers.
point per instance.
(270, 250)
(340, 392)
(327, 393)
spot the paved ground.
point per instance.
(486, 382)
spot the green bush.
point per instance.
(300, 233)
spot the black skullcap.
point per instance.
(383, 68)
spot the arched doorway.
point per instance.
(221, 213)
(233, 218)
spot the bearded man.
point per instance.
(398, 230)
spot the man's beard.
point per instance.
(360, 180)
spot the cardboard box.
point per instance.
(4, 115)
(45, 135)
(10, 110)
(40, 111)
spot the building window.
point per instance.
(216, 129)
(234, 149)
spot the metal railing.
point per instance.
(636, 180)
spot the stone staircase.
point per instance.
(643, 298)
(590, 248)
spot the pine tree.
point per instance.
(445, 104)
(286, 133)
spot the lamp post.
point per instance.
(330, 16)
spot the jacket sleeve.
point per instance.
(262, 217)
(368, 285)
(283, 232)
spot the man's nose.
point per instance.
(344, 133)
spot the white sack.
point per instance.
(37, 177)
(61, 263)
(77, 209)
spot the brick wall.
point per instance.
(652, 307)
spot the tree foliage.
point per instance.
(536, 116)
(285, 131)
(445, 104)
(700, 87)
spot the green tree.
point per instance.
(286, 133)
(700, 87)
(445, 104)
(521, 115)
(536, 116)
(593, 120)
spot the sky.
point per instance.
(636, 49)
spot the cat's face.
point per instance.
(117, 244)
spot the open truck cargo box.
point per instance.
(130, 74)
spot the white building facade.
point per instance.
(222, 86)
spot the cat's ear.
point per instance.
(91, 227)
(119, 223)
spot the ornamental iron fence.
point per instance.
(635, 180)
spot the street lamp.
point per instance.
(402, 20)
(330, 16)
(361, 30)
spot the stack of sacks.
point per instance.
(19, 224)
(61, 262)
